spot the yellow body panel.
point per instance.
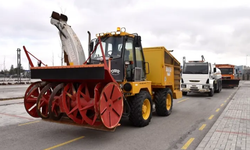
(137, 86)
(164, 69)
(177, 94)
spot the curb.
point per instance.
(12, 98)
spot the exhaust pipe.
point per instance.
(89, 44)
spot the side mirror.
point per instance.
(137, 41)
(214, 69)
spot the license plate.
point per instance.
(193, 85)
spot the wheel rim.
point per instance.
(111, 105)
(30, 98)
(55, 101)
(30, 88)
(69, 103)
(168, 102)
(146, 109)
(43, 102)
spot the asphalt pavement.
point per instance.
(192, 118)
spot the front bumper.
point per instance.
(196, 88)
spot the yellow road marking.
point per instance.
(225, 101)
(188, 143)
(64, 143)
(182, 100)
(29, 123)
(217, 109)
(211, 117)
(221, 105)
(202, 127)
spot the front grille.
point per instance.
(193, 87)
(194, 80)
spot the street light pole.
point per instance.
(19, 64)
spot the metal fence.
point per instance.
(9, 81)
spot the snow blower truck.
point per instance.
(229, 75)
(119, 79)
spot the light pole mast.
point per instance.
(19, 64)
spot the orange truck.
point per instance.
(229, 75)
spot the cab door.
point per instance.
(139, 70)
(129, 57)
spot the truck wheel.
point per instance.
(220, 87)
(163, 102)
(184, 93)
(217, 89)
(211, 93)
(141, 109)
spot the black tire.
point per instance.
(211, 93)
(161, 103)
(217, 89)
(136, 115)
(220, 87)
(184, 93)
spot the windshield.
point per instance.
(226, 70)
(195, 68)
(112, 47)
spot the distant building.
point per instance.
(240, 69)
(244, 72)
(26, 73)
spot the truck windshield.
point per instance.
(195, 68)
(112, 47)
(226, 70)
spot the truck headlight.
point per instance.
(205, 86)
(183, 85)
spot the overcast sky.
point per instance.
(219, 30)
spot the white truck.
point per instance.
(200, 77)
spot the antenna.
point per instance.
(202, 58)
(62, 11)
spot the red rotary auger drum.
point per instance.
(85, 95)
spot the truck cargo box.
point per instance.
(164, 69)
